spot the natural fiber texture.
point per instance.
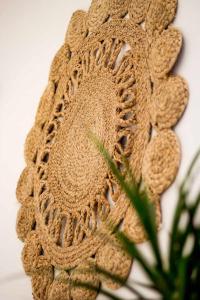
(112, 77)
(132, 224)
(161, 161)
(109, 257)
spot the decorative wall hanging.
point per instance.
(112, 77)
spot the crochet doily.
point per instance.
(112, 77)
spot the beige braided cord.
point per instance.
(138, 10)
(109, 257)
(118, 8)
(112, 77)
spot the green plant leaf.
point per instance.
(180, 280)
(182, 277)
(143, 206)
(177, 238)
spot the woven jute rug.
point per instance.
(112, 76)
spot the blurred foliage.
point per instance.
(176, 276)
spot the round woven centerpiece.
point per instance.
(110, 79)
(105, 94)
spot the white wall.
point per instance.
(30, 34)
